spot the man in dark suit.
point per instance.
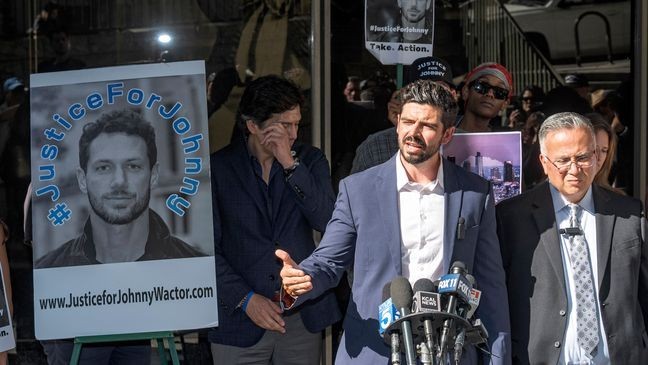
(575, 259)
(268, 192)
(403, 218)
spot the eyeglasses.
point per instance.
(528, 98)
(583, 161)
(483, 88)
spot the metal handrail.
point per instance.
(608, 38)
(491, 34)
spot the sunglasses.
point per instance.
(483, 88)
(528, 98)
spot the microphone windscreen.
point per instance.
(458, 267)
(471, 279)
(386, 293)
(401, 292)
(424, 284)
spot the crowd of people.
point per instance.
(563, 261)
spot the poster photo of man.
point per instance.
(117, 168)
(399, 31)
(121, 203)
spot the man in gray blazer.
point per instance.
(402, 218)
(577, 282)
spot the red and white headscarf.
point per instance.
(491, 68)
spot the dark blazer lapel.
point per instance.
(247, 181)
(387, 197)
(545, 220)
(453, 196)
(605, 217)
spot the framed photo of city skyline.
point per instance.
(495, 156)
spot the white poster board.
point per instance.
(399, 31)
(122, 216)
(7, 340)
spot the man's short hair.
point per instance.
(125, 121)
(434, 94)
(266, 96)
(561, 121)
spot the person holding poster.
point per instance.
(118, 167)
(268, 191)
(487, 91)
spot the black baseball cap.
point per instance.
(431, 68)
(576, 80)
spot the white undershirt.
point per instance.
(571, 352)
(422, 222)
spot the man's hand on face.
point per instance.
(265, 313)
(295, 281)
(277, 139)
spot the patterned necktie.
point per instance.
(588, 325)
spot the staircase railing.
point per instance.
(492, 35)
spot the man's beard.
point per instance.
(416, 159)
(123, 217)
(413, 18)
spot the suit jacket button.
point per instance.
(562, 312)
(276, 243)
(271, 277)
(557, 344)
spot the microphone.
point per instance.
(426, 300)
(478, 333)
(455, 285)
(401, 293)
(475, 298)
(571, 231)
(461, 337)
(387, 314)
(461, 228)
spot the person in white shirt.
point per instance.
(575, 258)
(413, 216)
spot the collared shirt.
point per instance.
(571, 351)
(422, 222)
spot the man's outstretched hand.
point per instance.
(295, 282)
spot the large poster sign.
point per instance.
(7, 340)
(399, 31)
(122, 227)
(494, 156)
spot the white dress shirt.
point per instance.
(422, 221)
(572, 353)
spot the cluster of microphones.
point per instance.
(432, 321)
